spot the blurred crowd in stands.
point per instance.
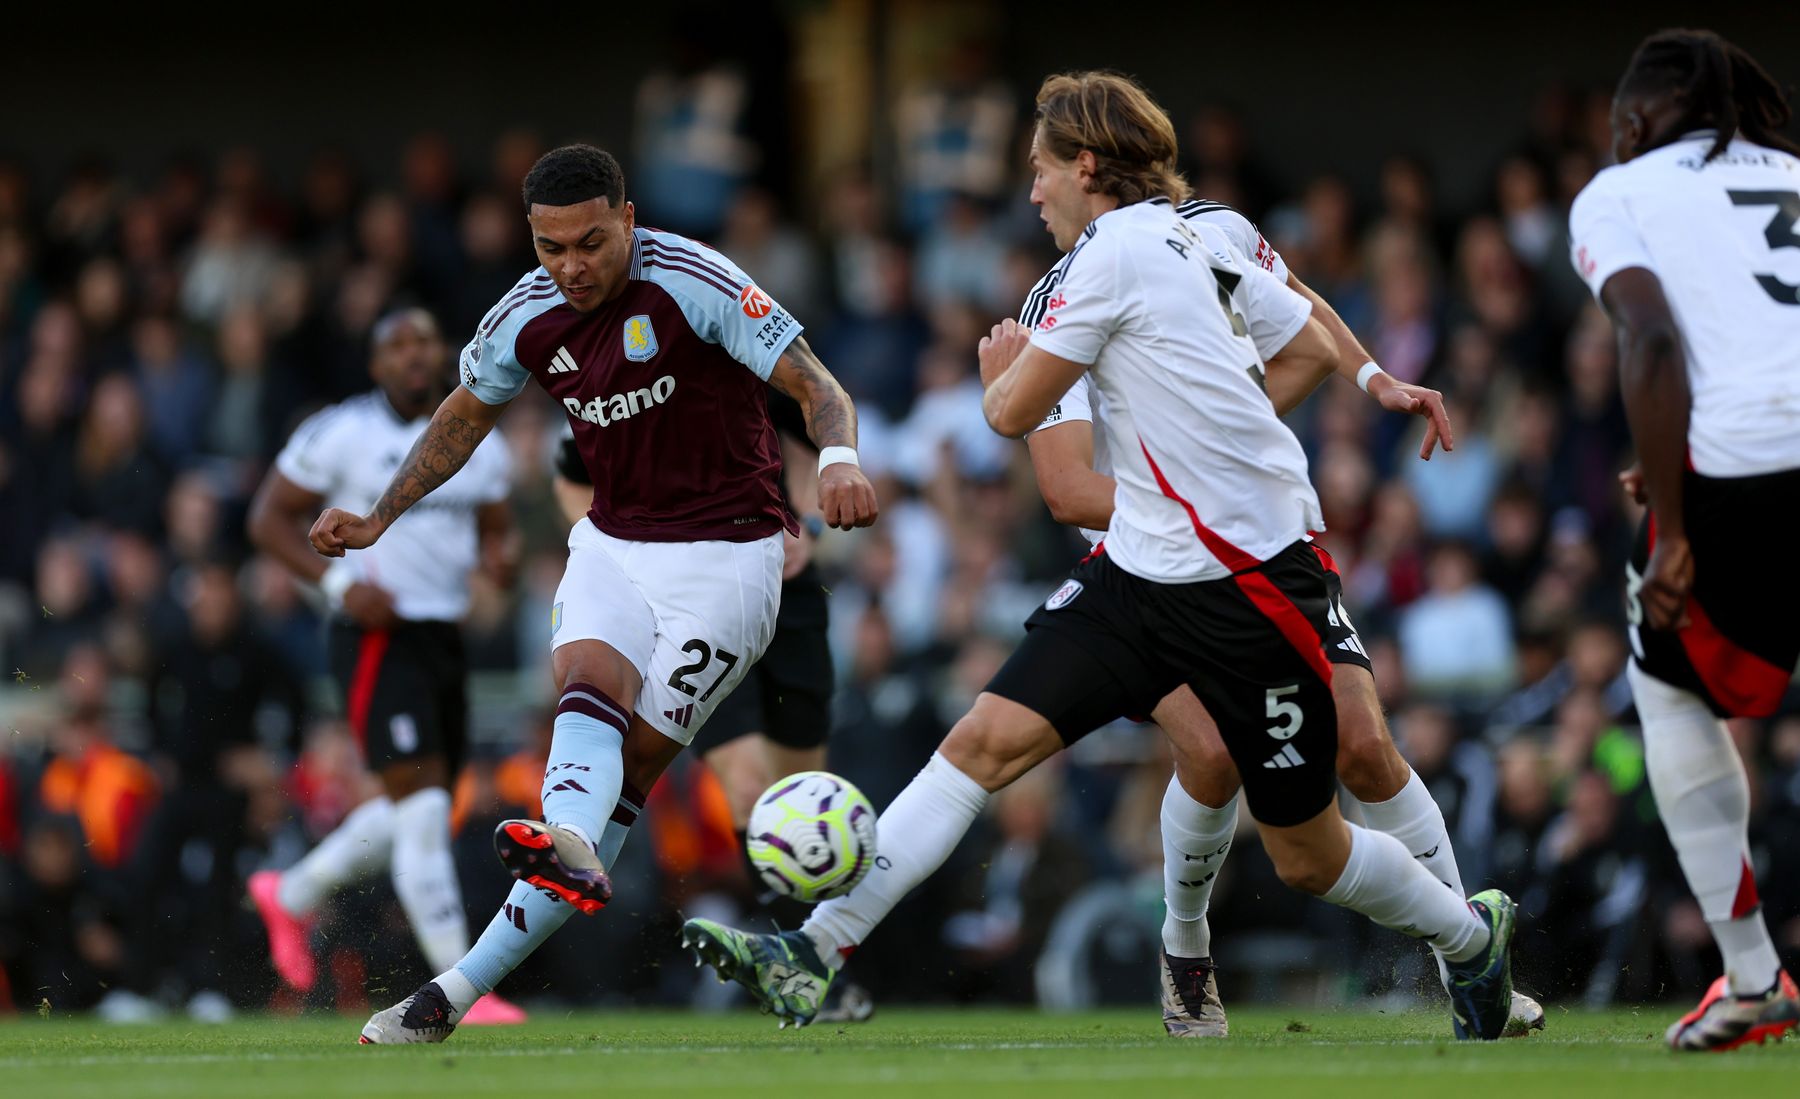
(167, 728)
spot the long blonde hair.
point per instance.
(1131, 137)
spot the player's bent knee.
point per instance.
(999, 740)
(599, 665)
(1310, 856)
(1307, 875)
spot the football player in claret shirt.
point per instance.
(1689, 243)
(657, 349)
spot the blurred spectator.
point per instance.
(495, 256)
(960, 257)
(231, 265)
(1216, 148)
(1026, 870)
(692, 148)
(955, 134)
(1456, 639)
(1532, 225)
(433, 195)
(775, 254)
(218, 686)
(254, 400)
(176, 389)
(874, 346)
(107, 792)
(118, 480)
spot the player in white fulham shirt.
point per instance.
(1207, 578)
(1200, 806)
(395, 643)
(1690, 244)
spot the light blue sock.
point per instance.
(528, 917)
(581, 783)
(624, 815)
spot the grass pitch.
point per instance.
(1323, 1054)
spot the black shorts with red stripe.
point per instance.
(1742, 640)
(1108, 644)
(1343, 645)
(404, 690)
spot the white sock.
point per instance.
(425, 876)
(356, 848)
(1383, 882)
(459, 991)
(1703, 798)
(1412, 816)
(914, 837)
(1195, 840)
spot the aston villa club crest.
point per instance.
(640, 339)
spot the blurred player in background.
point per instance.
(658, 349)
(1207, 580)
(395, 644)
(1200, 806)
(1692, 245)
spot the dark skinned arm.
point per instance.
(458, 427)
(845, 496)
(1653, 383)
(277, 527)
(278, 515)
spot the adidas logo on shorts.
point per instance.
(1284, 759)
(681, 715)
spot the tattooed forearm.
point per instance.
(830, 417)
(440, 452)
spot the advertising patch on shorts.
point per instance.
(555, 619)
(1063, 596)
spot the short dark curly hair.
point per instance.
(573, 174)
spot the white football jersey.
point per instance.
(348, 452)
(1722, 238)
(1077, 404)
(1175, 324)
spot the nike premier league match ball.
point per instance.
(812, 836)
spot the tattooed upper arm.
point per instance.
(830, 417)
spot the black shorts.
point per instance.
(404, 690)
(1743, 636)
(1108, 644)
(1343, 645)
(787, 695)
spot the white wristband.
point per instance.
(1368, 371)
(832, 455)
(338, 578)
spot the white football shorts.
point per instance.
(692, 617)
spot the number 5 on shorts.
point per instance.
(703, 655)
(1289, 714)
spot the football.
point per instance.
(811, 836)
